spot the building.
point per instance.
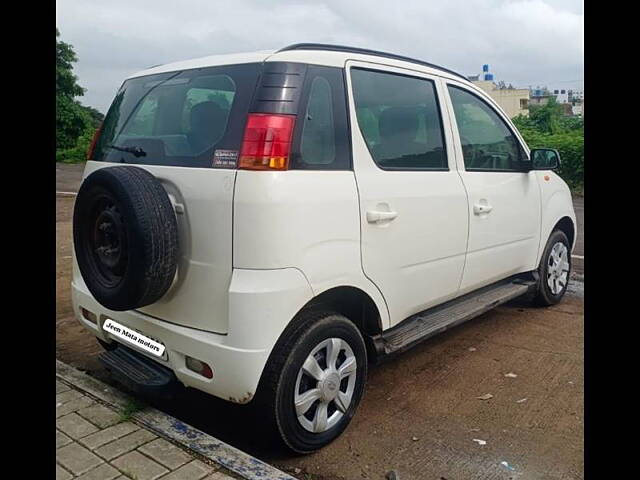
(571, 100)
(514, 101)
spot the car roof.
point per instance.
(208, 61)
(313, 53)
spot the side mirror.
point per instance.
(545, 159)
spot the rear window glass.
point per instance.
(179, 118)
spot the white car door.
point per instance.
(413, 206)
(504, 200)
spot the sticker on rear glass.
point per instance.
(225, 158)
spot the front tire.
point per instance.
(314, 380)
(554, 270)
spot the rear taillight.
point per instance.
(267, 142)
(92, 147)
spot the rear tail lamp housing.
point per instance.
(267, 142)
(92, 146)
(198, 366)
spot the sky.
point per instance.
(525, 42)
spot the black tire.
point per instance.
(125, 237)
(276, 391)
(544, 295)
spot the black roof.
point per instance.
(365, 51)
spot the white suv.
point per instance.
(262, 226)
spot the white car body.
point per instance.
(258, 246)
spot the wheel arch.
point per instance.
(557, 213)
(352, 302)
(566, 225)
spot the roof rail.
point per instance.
(365, 51)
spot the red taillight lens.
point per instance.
(267, 141)
(92, 147)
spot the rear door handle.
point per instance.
(375, 216)
(480, 208)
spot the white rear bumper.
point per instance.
(261, 304)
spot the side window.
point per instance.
(321, 137)
(317, 144)
(400, 120)
(487, 142)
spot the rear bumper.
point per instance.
(262, 302)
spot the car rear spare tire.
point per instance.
(125, 237)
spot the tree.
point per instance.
(546, 127)
(73, 120)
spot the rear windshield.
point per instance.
(191, 118)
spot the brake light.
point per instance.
(92, 147)
(267, 141)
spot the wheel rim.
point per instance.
(558, 268)
(325, 385)
(106, 241)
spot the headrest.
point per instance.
(398, 124)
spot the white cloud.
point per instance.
(527, 42)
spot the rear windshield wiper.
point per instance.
(135, 151)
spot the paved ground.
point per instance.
(96, 442)
(421, 414)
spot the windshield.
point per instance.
(192, 118)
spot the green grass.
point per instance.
(132, 406)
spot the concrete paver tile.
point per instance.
(194, 470)
(136, 465)
(125, 444)
(165, 453)
(101, 472)
(107, 435)
(75, 426)
(77, 459)
(100, 415)
(61, 439)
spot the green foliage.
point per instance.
(546, 127)
(78, 152)
(73, 120)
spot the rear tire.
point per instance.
(554, 270)
(310, 407)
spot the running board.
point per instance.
(426, 324)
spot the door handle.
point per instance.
(480, 208)
(375, 216)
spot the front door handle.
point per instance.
(480, 208)
(375, 216)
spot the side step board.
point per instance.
(426, 324)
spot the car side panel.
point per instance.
(556, 203)
(304, 219)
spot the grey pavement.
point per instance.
(96, 442)
(103, 433)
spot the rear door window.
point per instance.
(399, 117)
(179, 118)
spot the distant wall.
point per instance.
(513, 101)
